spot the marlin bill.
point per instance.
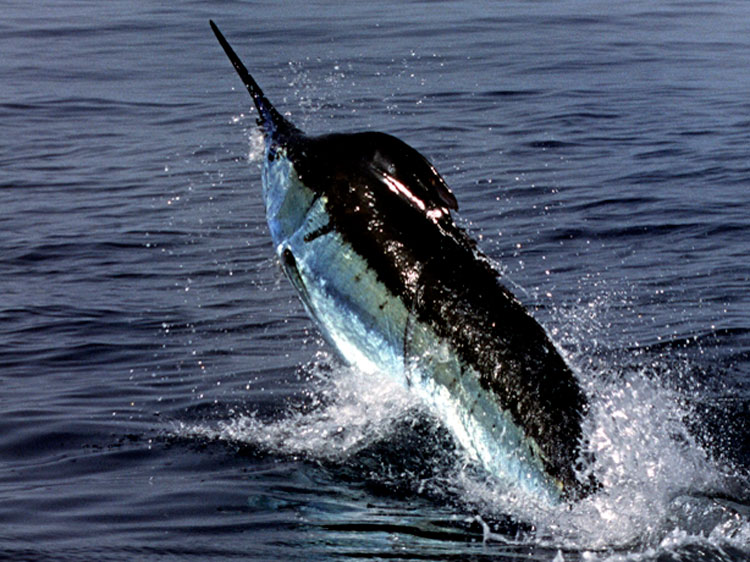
(363, 229)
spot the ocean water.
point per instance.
(164, 395)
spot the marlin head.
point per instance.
(299, 169)
(286, 198)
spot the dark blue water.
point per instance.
(164, 395)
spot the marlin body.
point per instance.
(363, 229)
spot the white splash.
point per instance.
(656, 479)
(354, 410)
(658, 484)
(256, 146)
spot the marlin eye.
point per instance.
(288, 258)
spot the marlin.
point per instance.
(362, 227)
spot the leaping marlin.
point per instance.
(363, 229)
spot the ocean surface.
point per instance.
(163, 394)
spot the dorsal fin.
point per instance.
(409, 174)
(270, 120)
(375, 159)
